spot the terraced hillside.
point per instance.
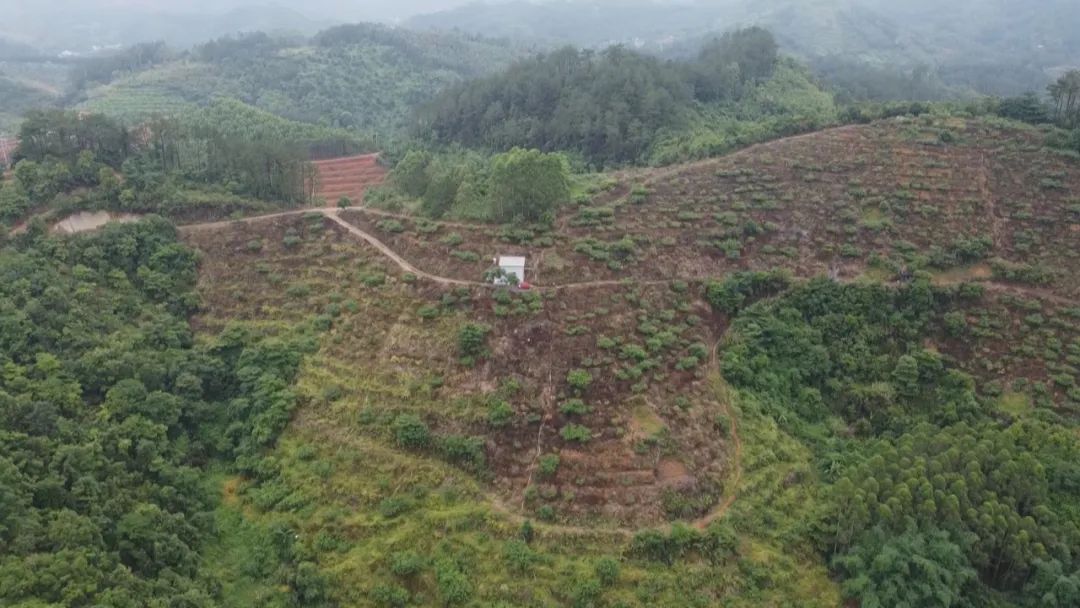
(630, 409)
(959, 199)
(347, 177)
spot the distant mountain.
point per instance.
(994, 46)
(366, 77)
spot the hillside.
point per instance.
(967, 42)
(361, 77)
(456, 444)
(19, 97)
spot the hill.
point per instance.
(618, 106)
(360, 77)
(678, 361)
(965, 42)
(18, 98)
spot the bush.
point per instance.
(411, 432)
(548, 465)
(576, 432)
(467, 451)
(393, 506)
(454, 587)
(390, 596)
(390, 225)
(574, 407)
(499, 414)
(731, 295)
(518, 556)
(406, 563)
(472, 341)
(579, 380)
(607, 571)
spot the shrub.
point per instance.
(499, 414)
(406, 563)
(472, 341)
(390, 225)
(411, 432)
(467, 451)
(633, 351)
(607, 571)
(344, 202)
(390, 596)
(393, 506)
(576, 432)
(687, 363)
(452, 240)
(730, 295)
(548, 465)
(518, 556)
(579, 380)
(574, 407)
(454, 587)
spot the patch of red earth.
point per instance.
(350, 176)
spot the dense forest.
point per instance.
(973, 46)
(363, 77)
(618, 106)
(111, 414)
(934, 500)
(226, 157)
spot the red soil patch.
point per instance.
(349, 176)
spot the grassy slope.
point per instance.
(367, 85)
(357, 499)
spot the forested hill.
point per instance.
(619, 106)
(970, 42)
(363, 77)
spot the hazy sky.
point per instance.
(338, 10)
(323, 9)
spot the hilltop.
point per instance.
(965, 43)
(362, 77)
(682, 358)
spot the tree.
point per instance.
(1026, 108)
(1065, 93)
(916, 568)
(906, 376)
(410, 175)
(528, 185)
(738, 58)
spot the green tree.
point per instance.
(906, 376)
(911, 569)
(528, 185)
(410, 175)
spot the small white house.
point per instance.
(510, 265)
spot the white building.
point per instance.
(510, 265)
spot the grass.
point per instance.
(1017, 404)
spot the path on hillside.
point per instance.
(333, 214)
(497, 503)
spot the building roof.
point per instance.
(511, 260)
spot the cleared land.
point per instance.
(348, 177)
(599, 411)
